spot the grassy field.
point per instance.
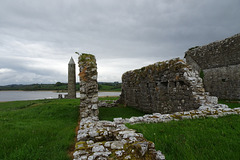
(42, 129)
(45, 129)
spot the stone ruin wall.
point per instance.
(88, 86)
(220, 63)
(164, 87)
(103, 140)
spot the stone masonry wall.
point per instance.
(88, 86)
(164, 87)
(220, 63)
(223, 82)
(217, 54)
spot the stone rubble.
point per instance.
(110, 140)
(107, 103)
(214, 111)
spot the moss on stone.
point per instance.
(84, 57)
(81, 145)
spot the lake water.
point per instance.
(34, 95)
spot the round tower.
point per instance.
(71, 79)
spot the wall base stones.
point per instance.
(214, 111)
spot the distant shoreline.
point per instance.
(36, 95)
(57, 91)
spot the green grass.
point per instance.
(42, 129)
(108, 98)
(114, 112)
(231, 104)
(195, 139)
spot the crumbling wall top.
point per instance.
(216, 54)
(172, 65)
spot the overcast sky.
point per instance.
(38, 37)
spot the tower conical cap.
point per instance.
(71, 61)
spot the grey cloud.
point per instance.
(135, 32)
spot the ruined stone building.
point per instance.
(71, 79)
(164, 87)
(219, 64)
(102, 140)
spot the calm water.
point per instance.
(34, 95)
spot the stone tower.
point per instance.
(71, 79)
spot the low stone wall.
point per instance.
(164, 87)
(204, 111)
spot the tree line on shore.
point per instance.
(59, 86)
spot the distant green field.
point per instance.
(102, 86)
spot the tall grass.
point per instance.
(42, 129)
